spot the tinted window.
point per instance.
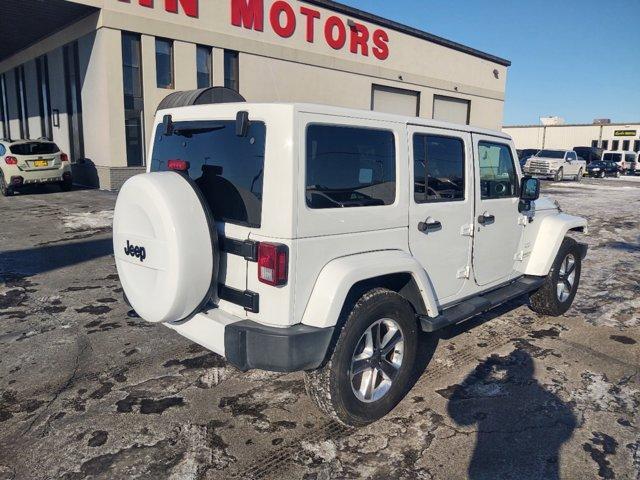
(232, 70)
(551, 154)
(227, 168)
(594, 143)
(612, 157)
(636, 145)
(438, 164)
(203, 61)
(350, 167)
(498, 177)
(629, 157)
(164, 63)
(605, 144)
(626, 144)
(34, 148)
(571, 156)
(615, 144)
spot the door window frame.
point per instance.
(515, 169)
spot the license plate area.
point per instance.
(41, 163)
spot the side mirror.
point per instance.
(529, 189)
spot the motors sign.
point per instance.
(189, 7)
(335, 31)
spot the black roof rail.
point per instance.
(203, 96)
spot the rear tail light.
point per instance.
(273, 264)
(10, 160)
(64, 157)
(178, 165)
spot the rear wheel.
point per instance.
(372, 361)
(559, 175)
(602, 174)
(556, 295)
(5, 189)
(66, 185)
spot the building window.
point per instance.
(164, 63)
(44, 93)
(636, 145)
(605, 144)
(74, 100)
(232, 70)
(438, 166)
(615, 144)
(4, 109)
(21, 94)
(626, 144)
(204, 66)
(133, 98)
(594, 143)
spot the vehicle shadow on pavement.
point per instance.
(520, 425)
(34, 261)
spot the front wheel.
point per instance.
(556, 295)
(617, 173)
(559, 175)
(372, 361)
(5, 189)
(602, 174)
(579, 176)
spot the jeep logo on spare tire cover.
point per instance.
(133, 251)
(165, 246)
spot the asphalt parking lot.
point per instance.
(87, 392)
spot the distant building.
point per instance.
(609, 136)
(552, 121)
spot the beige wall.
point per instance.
(568, 136)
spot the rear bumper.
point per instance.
(17, 177)
(249, 345)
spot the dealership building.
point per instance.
(90, 74)
(600, 134)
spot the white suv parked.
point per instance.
(556, 164)
(292, 237)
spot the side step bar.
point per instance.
(480, 304)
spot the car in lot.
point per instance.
(632, 163)
(618, 157)
(325, 245)
(603, 168)
(589, 154)
(29, 162)
(556, 165)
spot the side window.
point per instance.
(605, 144)
(615, 144)
(626, 144)
(572, 156)
(438, 165)
(350, 167)
(498, 177)
(629, 157)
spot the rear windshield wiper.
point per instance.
(189, 132)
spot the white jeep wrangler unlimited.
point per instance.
(291, 237)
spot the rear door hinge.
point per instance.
(464, 272)
(523, 220)
(467, 230)
(519, 257)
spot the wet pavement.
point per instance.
(86, 392)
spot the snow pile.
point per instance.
(88, 221)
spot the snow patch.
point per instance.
(88, 221)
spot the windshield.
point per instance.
(34, 148)
(612, 157)
(228, 168)
(551, 154)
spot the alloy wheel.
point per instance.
(566, 278)
(377, 360)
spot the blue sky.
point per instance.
(578, 59)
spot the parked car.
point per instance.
(523, 155)
(589, 154)
(631, 163)
(27, 162)
(556, 164)
(316, 248)
(618, 157)
(604, 168)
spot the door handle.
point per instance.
(486, 219)
(430, 225)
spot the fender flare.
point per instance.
(551, 233)
(338, 276)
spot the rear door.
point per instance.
(441, 211)
(228, 170)
(498, 232)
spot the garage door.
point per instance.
(450, 109)
(395, 100)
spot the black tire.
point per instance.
(545, 300)
(618, 174)
(602, 174)
(559, 175)
(5, 190)
(66, 185)
(331, 385)
(579, 176)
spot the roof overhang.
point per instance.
(25, 22)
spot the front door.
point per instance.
(441, 213)
(498, 231)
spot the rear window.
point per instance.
(34, 148)
(228, 169)
(350, 167)
(612, 157)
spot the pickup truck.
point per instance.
(556, 164)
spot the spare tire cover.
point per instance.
(166, 246)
